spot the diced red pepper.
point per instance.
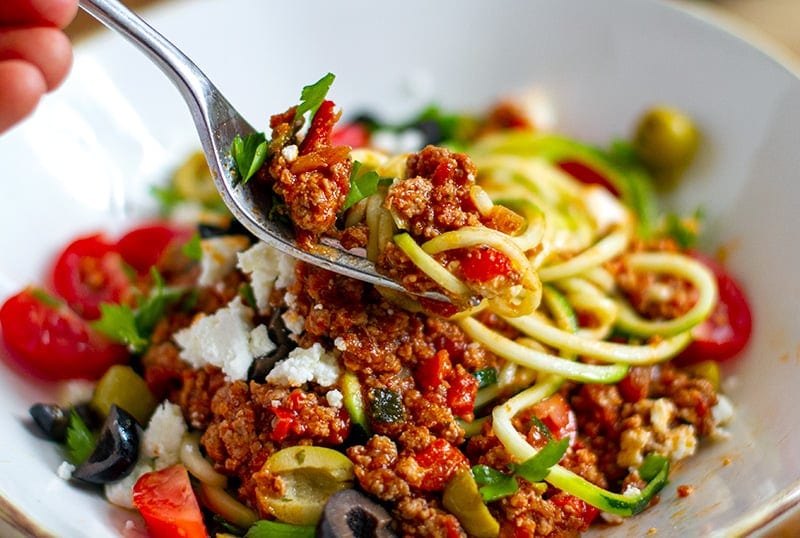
(320, 131)
(576, 507)
(432, 372)
(462, 392)
(558, 416)
(585, 174)
(440, 461)
(481, 264)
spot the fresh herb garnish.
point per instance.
(80, 442)
(192, 249)
(537, 467)
(249, 153)
(684, 230)
(495, 484)
(363, 186)
(312, 97)
(486, 377)
(133, 327)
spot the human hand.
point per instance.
(35, 55)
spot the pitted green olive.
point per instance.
(666, 140)
(308, 476)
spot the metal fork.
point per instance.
(217, 123)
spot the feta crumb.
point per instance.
(605, 208)
(65, 470)
(290, 153)
(74, 391)
(162, 438)
(221, 339)
(340, 344)
(631, 491)
(681, 442)
(301, 366)
(335, 398)
(268, 269)
(294, 322)
(661, 414)
(722, 411)
(121, 491)
(405, 141)
(260, 343)
(219, 257)
(632, 444)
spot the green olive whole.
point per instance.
(666, 139)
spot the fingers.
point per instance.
(46, 49)
(23, 85)
(56, 13)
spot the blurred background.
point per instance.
(779, 19)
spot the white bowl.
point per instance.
(85, 159)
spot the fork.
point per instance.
(217, 123)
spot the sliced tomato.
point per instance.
(354, 135)
(586, 174)
(50, 341)
(90, 271)
(727, 330)
(168, 505)
(142, 247)
(556, 413)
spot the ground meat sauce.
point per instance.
(423, 365)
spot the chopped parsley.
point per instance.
(133, 327)
(363, 186)
(277, 529)
(312, 97)
(495, 484)
(192, 249)
(80, 442)
(249, 153)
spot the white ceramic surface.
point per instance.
(85, 160)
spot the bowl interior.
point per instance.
(87, 157)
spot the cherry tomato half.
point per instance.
(143, 246)
(354, 135)
(90, 271)
(168, 505)
(556, 413)
(50, 341)
(586, 174)
(727, 330)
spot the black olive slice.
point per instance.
(51, 419)
(116, 452)
(351, 514)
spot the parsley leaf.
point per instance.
(494, 484)
(537, 467)
(192, 249)
(118, 322)
(80, 442)
(249, 153)
(486, 377)
(363, 186)
(312, 96)
(133, 327)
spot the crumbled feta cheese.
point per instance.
(268, 269)
(605, 208)
(681, 442)
(221, 339)
(393, 143)
(335, 398)
(340, 344)
(219, 257)
(121, 491)
(290, 153)
(294, 322)
(632, 444)
(162, 438)
(661, 414)
(301, 366)
(722, 411)
(631, 491)
(65, 470)
(260, 343)
(74, 391)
